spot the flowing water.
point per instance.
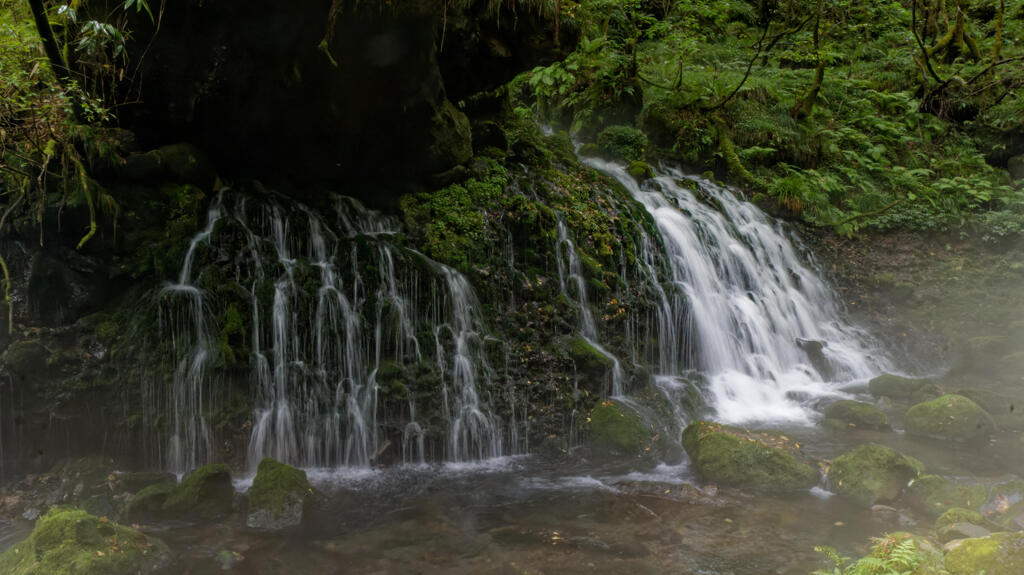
(331, 305)
(743, 306)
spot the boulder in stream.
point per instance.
(731, 456)
(997, 554)
(278, 496)
(949, 417)
(856, 414)
(935, 495)
(205, 494)
(872, 473)
(896, 386)
(616, 430)
(71, 541)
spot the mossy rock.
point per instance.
(895, 386)
(857, 414)
(278, 496)
(872, 473)
(935, 495)
(27, 359)
(149, 502)
(731, 456)
(614, 430)
(955, 515)
(71, 542)
(949, 417)
(588, 360)
(962, 530)
(640, 171)
(206, 493)
(997, 554)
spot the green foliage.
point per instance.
(895, 554)
(623, 142)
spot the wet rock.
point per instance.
(895, 386)
(949, 417)
(614, 430)
(958, 515)
(1005, 504)
(205, 494)
(489, 135)
(640, 171)
(75, 542)
(872, 473)
(27, 360)
(815, 351)
(731, 456)
(589, 362)
(997, 554)
(278, 496)
(962, 530)
(935, 495)
(149, 502)
(857, 414)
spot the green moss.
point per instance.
(888, 385)
(72, 542)
(612, 429)
(958, 515)
(27, 358)
(858, 414)
(997, 554)
(640, 171)
(935, 495)
(587, 359)
(949, 417)
(872, 473)
(149, 502)
(206, 493)
(729, 456)
(277, 486)
(623, 142)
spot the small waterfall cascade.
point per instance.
(570, 273)
(184, 319)
(332, 308)
(741, 306)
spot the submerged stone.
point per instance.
(70, 541)
(278, 496)
(997, 554)
(857, 414)
(731, 456)
(614, 430)
(872, 473)
(935, 495)
(949, 417)
(958, 515)
(895, 386)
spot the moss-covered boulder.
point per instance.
(949, 417)
(872, 473)
(614, 430)
(149, 502)
(997, 554)
(857, 414)
(206, 493)
(896, 386)
(959, 515)
(72, 542)
(27, 360)
(278, 496)
(731, 456)
(640, 171)
(935, 495)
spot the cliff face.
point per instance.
(315, 93)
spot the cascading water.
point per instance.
(569, 271)
(742, 307)
(328, 312)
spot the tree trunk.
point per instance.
(805, 106)
(998, 45)
(53, 54)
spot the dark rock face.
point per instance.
(310, 93)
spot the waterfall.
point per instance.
(742, 306)
(570, 272)
(330, 305)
